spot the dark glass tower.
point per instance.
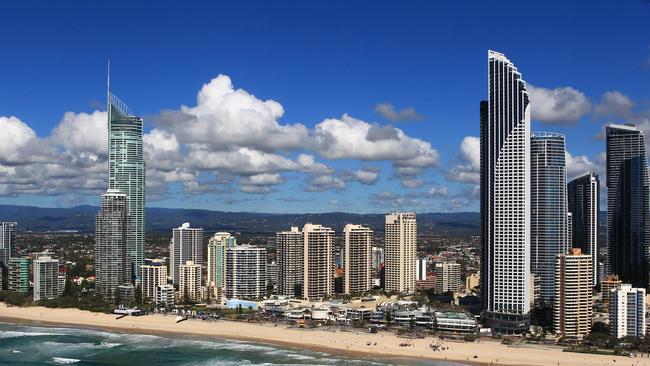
(548, 202)
(584, 205)
(505, 198)
(628, 227)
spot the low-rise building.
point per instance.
(164, 296)
(627, 312)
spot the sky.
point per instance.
(293, 106)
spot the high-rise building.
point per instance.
(607, 284)
(7, 242)
(627, 312)
(358, 257)
(447, 277)
(245, 272)
(400, 251)
(189, 285)
(112, 260)
(628, 190)
(505, 198)
(46, 279)
(289, 247)
(572, 302)
(187, 245)
(420, 269)
(217, 246)
(318, 266)
(548, 208)
(19, 274)
(153, 273)
(584, 205)
(377, 260)
(126, 172)
(165, 296)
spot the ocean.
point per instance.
(40, 345)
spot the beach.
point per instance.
(332, 340)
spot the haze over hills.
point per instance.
(82, 218)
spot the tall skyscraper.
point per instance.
(318, 266)
(505, 198)
(46, 279)
(245, 272)
(112, 261)
(187, 245)
(627, 312)
(572, 302)
(548, 208)
(153, 273)
(126, 172)
(400, 250)
(358, 257)
(290, 247)
(628, 187)
(189, 282)
(217, 246)
(584, 205)
(7, 242)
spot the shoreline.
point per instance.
(350, 344)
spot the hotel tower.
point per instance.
(505, 198)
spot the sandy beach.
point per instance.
(351, 343)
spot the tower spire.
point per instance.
(108, 82)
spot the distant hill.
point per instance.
(82, 218)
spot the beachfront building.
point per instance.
(358, 257)
(217, 246)
(627, 312)
(447, 277)
(505, 198)
(46, 279)
(165, 296)
(290, 254)
(126, 173)
(584, 205)
(189, 282)
(18, 272)
(112, 259)
(548, 223)
(187, 245)
(318, 276)
(400, 249)
(245, 272)
(572, 310)
(153, 273)
(628, 210)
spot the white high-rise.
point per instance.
(318, 266)
(290, 246)
(505, 198)
(358, 257)
(400, 251)
(627, 312)
(153, 273)
(447, 277)
(187, 245)
(189, 285)
(245, 272)
(46, 279)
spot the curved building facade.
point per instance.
(505, 198)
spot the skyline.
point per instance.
(306, 158)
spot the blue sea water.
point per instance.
(40, 345)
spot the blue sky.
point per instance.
(588, 63)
